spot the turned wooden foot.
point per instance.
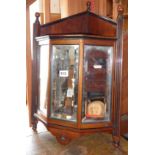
(116, 141)
(34, 125)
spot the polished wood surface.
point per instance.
(124, 102)
(124, 105)
(124, 124)
(118, 76)
(35, 63)
(82, 23)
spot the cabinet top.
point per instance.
(86, 23)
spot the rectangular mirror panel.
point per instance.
(64, 82)
(97, 84)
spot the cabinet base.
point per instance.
(65, 136)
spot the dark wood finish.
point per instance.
(82, 23)
(124, 106)
(79, 29)
(118, 77)
(124, 124)
(124, 103)
(36, 32)
(65, 134)
(88, 6)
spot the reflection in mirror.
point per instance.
(97, 83)
(64, 82)
(43, 76)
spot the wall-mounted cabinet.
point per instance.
(77, 72)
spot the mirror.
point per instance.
(64, 82)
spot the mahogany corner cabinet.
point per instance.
(76, 75)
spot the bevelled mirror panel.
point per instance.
(64, 82)
(97, 83)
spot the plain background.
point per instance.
(141, 77)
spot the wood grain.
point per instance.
(46, 11)
(28, 64)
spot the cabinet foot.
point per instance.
(116, 141)
(34, 126)
(116, 144)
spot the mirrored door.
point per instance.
(64, 82)
(97, 84)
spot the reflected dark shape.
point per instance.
(97, 83)
(64, 82)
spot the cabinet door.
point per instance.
(64, 82)
(97, 83)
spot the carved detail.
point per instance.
(120, 9)
(116, 141)
(37, 25)
(37, 14)
(88, 6)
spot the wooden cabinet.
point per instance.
(77, 75)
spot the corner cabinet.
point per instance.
(77, 71)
